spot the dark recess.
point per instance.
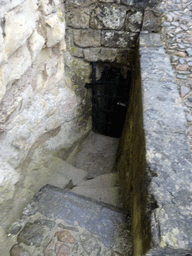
(109, 100)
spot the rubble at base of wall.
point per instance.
(169, 161)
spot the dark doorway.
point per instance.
(109, 100)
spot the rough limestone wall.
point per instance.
(40, 112)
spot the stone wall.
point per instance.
(102, 31)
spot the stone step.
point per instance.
(104, 188)
(72, 173)
(60, 222)
(53, 171)
(97, 154)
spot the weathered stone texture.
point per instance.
(55, 28)
(134, 21)
(118, 39)
(3, 56)
(8, 178)
(77, 3)
(168, 155)
(100, 54)
(108, 17)
(19, 27)
(87, 38)
(49, 7)
(78, 18)
(152, 20)
(41, 111)
(73, 49)
(125, 56)
(36, 43)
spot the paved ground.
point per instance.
(177, 37)
(58, 222)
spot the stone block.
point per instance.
(118, 39)
(73, 49)
(78, 17)
(152, 20)
(87, 38)
(108, 17)
(20, 23)
(55, 28)
(92, 54)
(134, 21)
(18, 250)
(36, 42)
(80, 3)
(100, 54)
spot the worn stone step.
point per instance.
(36, 179)
(97, 154)
(57, 221)
(104, 188)
(72, 173)
(54, 171)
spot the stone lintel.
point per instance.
(100, 54)
(118, 39)
(167, 152)
(87, 38)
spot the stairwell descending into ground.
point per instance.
(66, 190)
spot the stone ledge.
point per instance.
(167, 152)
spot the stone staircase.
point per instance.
(79, 212)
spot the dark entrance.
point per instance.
(109, 100)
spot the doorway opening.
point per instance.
(110, 95)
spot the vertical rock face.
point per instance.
(41, 111)
(38, 101)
